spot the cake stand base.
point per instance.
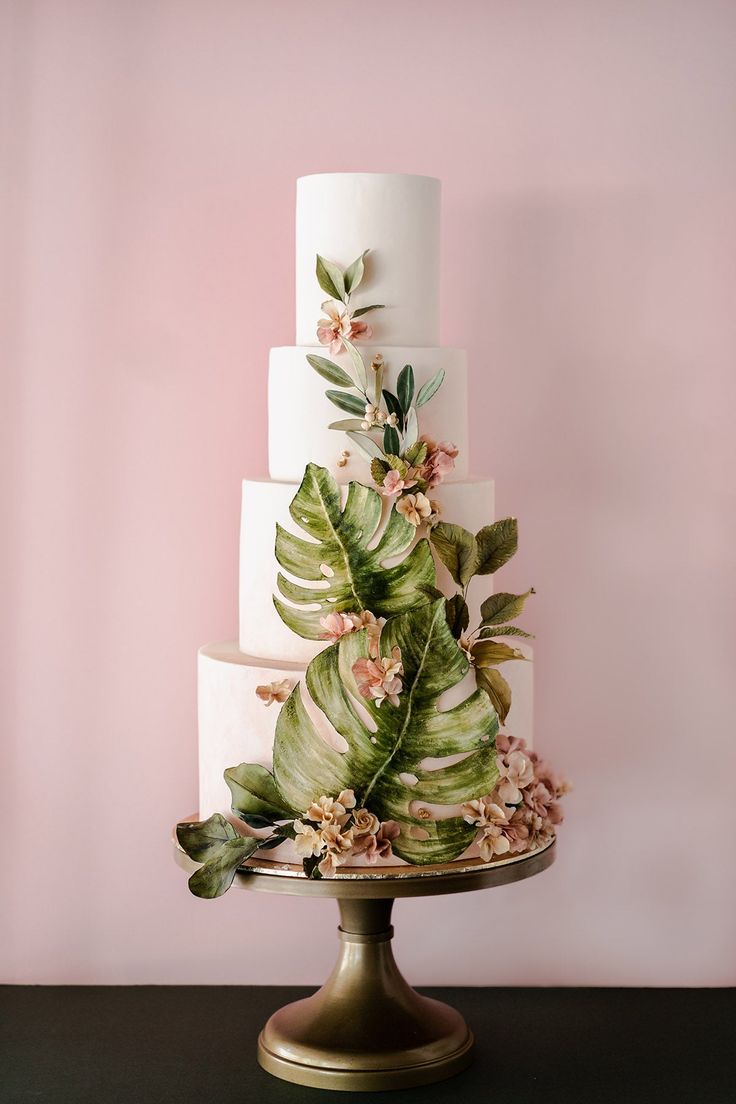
(366, 1028)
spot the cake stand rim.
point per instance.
(264, 876)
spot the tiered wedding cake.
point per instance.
(349, 576)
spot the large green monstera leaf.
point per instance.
(340, 554)
(383, 766)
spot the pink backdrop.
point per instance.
(588, 158)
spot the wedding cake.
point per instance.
(377, 707)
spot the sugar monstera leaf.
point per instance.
(383, 760)
(342, 557)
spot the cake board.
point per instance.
(366, 1029)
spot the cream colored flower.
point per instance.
(517, 771)
(335, 626)
(307, 841)
(493, 842)
(274, 691)
(328, 811)
(414, 507)
(365, 823)
(484, 812)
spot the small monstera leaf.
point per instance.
(384, 766)
(340, 554)
(221, 850)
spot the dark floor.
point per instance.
(183, 1045)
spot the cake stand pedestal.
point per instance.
(366, 1028)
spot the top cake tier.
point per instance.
(397, 218)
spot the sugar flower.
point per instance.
(484, 812)
(338, 325)
(307, 841)
(328, 811)
(439, 462)
(365, 823)
(373, 625)
(337, 845)
(335, 626)
(274, 691)
(378, 679)
(394, 483)
(493, 842)
(414, 507)
(517, 771)
(378, 846)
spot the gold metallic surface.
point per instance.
(366, 1028)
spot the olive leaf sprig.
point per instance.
(466, 555)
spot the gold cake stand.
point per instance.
(366, 1028)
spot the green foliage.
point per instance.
(351, 404)
(456, 548)
(405, 387)
(330, 278)
(354, 274)
(364, 310)
(430, 387)
(502, 607)
(355, 578)
(330, 371)
(497, 543)
(215, 843)
(254, 793)
(398, 739)
(496, 687)
(394, 407)
(391, 441)
(458, 615)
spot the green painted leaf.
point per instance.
(254, 792)
(354, 273)
(394, 407)
(340, 539)
(216, 876)
(330, 371)
(405, 387)
(364, 310)
(431, 387)
(381, 759)
(456, 548)
(417, 454)
(379, 470)
(497, 543)
(391, 441)
(370, 449)
(330, 278)
(487, 653)
(496, 687)
(504, 630)
(458, 615)
(503, 607)
(430, 591)
(347, 424)
(204, 838)
(351, 404)
(358, 365)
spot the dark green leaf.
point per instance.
(351, 404)
(379, 470)
(417, 454)
(255, 821)
(394, 407)
(391, 440)
(216, 876)
(497, 689)
(204, 838)
(364, 310)
(330, 371)
(254, 792)
(430, 387)
(456, 548)
(458, 617)
(330, 278)
(354, 273)
(405, 387)
(431, 591)
(272, 841)
(503, 607)
(497, 543)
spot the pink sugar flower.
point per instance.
(517, 772)
(339, 325)
(378, 679)
(377, 846)
(394, 483)
(440, 461)
(336, 625)
(274, 691)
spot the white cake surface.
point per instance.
(397, 218)
(262, 632)
(299, 413)
(235, 726)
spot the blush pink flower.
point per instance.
(440, 461)
(373, 625)
(517, 771)
(378, 679)
(336, 625)
(339, 325)
(378, 846)
(394, 483)
(274, 691)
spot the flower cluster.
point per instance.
(410, 478)
(333, 830)
(524, 808)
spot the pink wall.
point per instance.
(588, 156)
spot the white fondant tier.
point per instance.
(262, 632)
(396, 217)
(299, 412)
(235, 726)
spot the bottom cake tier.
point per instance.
(237, 725)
